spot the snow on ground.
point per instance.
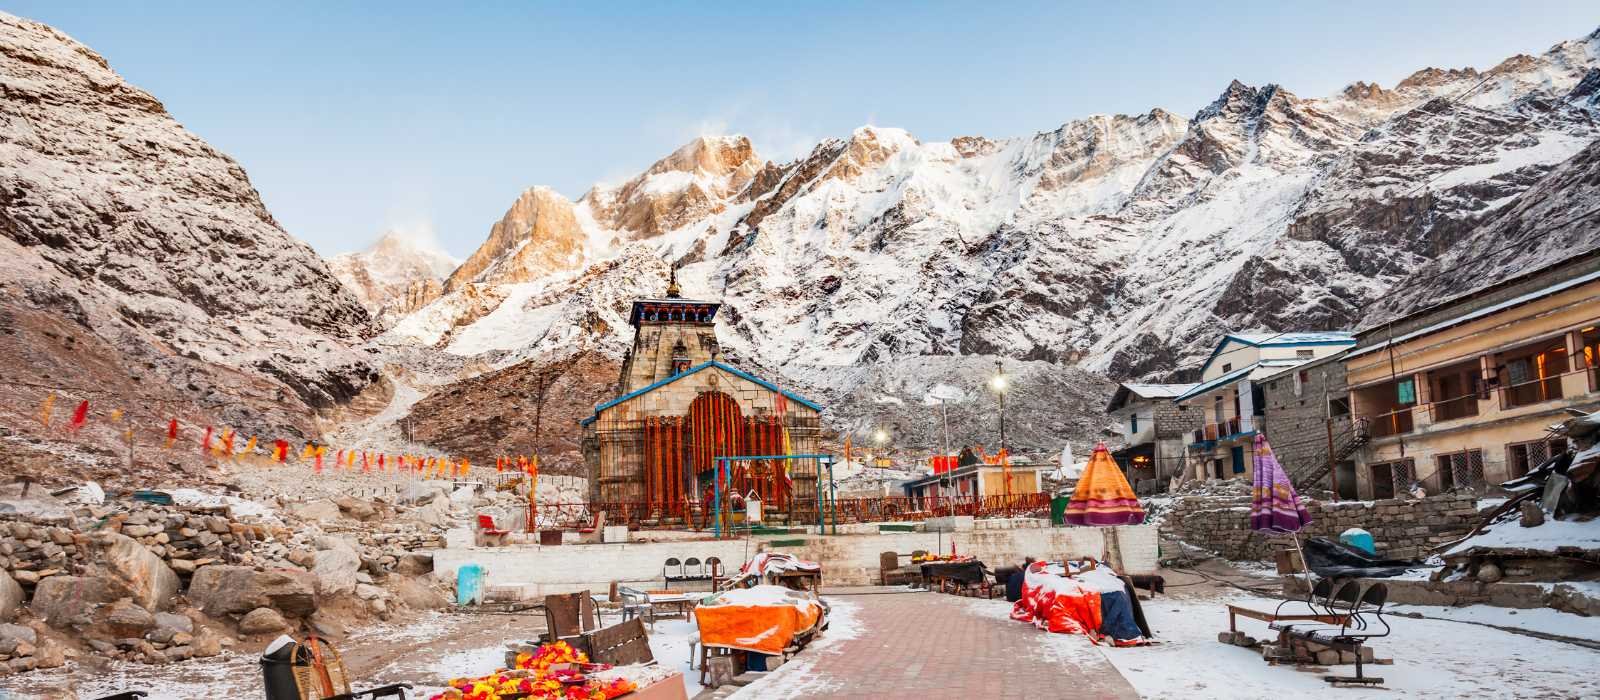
(1546, 620)
(670, 643)
(794, 679)
(1433, 658)
(1546, 537)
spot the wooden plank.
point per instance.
(621, 644)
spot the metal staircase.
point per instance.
(1345, 444)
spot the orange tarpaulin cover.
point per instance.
(763, 619)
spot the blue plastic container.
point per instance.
(1360, 539)
(469, 584)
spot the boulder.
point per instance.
(11, 597)
(414, 564)
(262, 621)
(206, 644)
(417, 595)
(319, 510)
(356, 508)
(335, 570)
(65, 601)
(125, 618)
(18, 633)
(222, 590)
(325, 542)
(368, 592)
(435, 513)
(148, 579)
(423, 491)
(175, 622)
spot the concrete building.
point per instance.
(1459, 394)
(1309, 406)
(1230, 400)
(651, 452)
(1154, 432)
(980, 481)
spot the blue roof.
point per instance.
(736, 371)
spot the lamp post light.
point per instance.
(1000, 383)
(881, 438)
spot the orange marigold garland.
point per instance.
(551, 673)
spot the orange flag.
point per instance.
(205, 444)
(320, 451)
(250, 446)
(280, 451)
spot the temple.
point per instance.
(651, 452)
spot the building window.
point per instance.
(1462, 469)
(1227, 367)
(1455, 391)
(1339, 406)
(1133, 424)
(1390, 478)
(1305, 353)
(1523, 457)
(1589, 338)
(1301, 378)
(1533, 374)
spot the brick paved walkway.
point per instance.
(931, 645)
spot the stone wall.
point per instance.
(1296, 423)
(1401, 529)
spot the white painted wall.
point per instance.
(847, 560)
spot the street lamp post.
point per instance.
(881, 437)
(1000, 384)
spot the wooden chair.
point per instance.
(320, 674)
(621, 644)
(714, 570)
(568, 616)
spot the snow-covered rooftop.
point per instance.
(1254, 370)
(1480, 313)
(1299, 338)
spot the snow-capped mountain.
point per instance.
(1125, 244)
(139, 270)
(397, 274)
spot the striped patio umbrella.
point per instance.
(1274, 505)
(1103, 497)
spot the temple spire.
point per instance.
(673, 290)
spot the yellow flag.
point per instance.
(116, 415)
(44, 410)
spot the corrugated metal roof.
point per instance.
(1252, 370)
(736, 372)
(1158, 391)
(1297, 338)
(1480, 313)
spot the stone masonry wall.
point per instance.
(1401, 529)
(1296, 424)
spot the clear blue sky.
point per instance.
(353, 117)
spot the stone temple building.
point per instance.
(651, 452)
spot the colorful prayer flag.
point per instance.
(79, 417)
(46, 408)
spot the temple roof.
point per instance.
(692, 310)
(705, 365)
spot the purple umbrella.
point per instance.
(1274, 506)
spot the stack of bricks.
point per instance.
(1401, 529)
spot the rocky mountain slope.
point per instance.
(395, 276)
(140, 270)
(1122, 244)
(1552, 220)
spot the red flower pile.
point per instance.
(554, 672)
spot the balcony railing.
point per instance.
(1531, 392)
(1404, 419)
(1455, 407)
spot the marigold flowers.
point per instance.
(553, 672)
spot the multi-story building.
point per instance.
(1154, 431)
(1460, 394)
(1230, 400)
(1310, 409)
